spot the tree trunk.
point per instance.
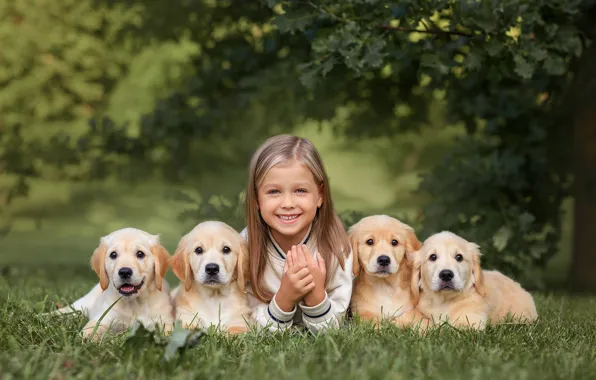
(583, 264)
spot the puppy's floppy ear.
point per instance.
(414, 258)
(241, 271)
(412, 242)
(474, 249)
(98, 264)
(180, 263)
(353, 237)
(161, 256)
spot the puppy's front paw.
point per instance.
(237, 330)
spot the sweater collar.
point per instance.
(279, 251)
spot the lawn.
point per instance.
(560, 345)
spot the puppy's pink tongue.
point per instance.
(127, 288)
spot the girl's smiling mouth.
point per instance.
(288, 219)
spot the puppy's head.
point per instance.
(130, 259)
(447, 263)
(213, 254)
(380, 243)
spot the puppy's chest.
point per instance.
(219, 309)
(436, 308)
(386, 299)
(146, 313)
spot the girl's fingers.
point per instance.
(309, 287)
(305, 281)
(301, 273)
(300, 254)
(307, 255)
(289, 259)
(321, 263)
(295, 257)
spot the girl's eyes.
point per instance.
(277, 191)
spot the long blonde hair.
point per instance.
(327, 229)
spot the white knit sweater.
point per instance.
(316, 318)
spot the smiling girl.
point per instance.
(299, 256)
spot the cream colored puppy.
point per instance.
(211, 261)
(448, 284)
(382, 285)
(131, 264)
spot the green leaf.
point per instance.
(493, 47)
(433, 61)
(293, 21)
(373, 55)
(501, 238)
(522, 67)
(526, 219)
(537, 53)
(554, 65)
(138, 335)
(180, 339)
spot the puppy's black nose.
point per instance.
(446, 275)
(125, 273)
(212, 269)
(383, 260)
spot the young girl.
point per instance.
(300, 257)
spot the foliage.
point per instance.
(60, 61)
(501, 68)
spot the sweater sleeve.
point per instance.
(269, 315)
(332, 310)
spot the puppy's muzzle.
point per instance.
(128, 289)
(383, 261)
(212, 269)
(212, 272)
(125, 273)
(446, 277)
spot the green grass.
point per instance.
(560, 345)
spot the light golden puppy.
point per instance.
(382, 285)
(211, 262)
(448, 284)
(131, 264)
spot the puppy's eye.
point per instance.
(394, 243)
(459, 258)
(370, 242)
(113, 255)
(432, 257)
(199, 250)
(140, 254)
(226, 249)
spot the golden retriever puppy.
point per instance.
(211, 262)
(380, 245)
(448, 284)
(130, 264)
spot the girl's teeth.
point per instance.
(288, 217)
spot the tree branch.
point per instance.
(429, 31)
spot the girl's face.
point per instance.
(288, 200)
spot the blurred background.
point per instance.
(472, 117)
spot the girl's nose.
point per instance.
(288, 201)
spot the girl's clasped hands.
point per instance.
(303, 279)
